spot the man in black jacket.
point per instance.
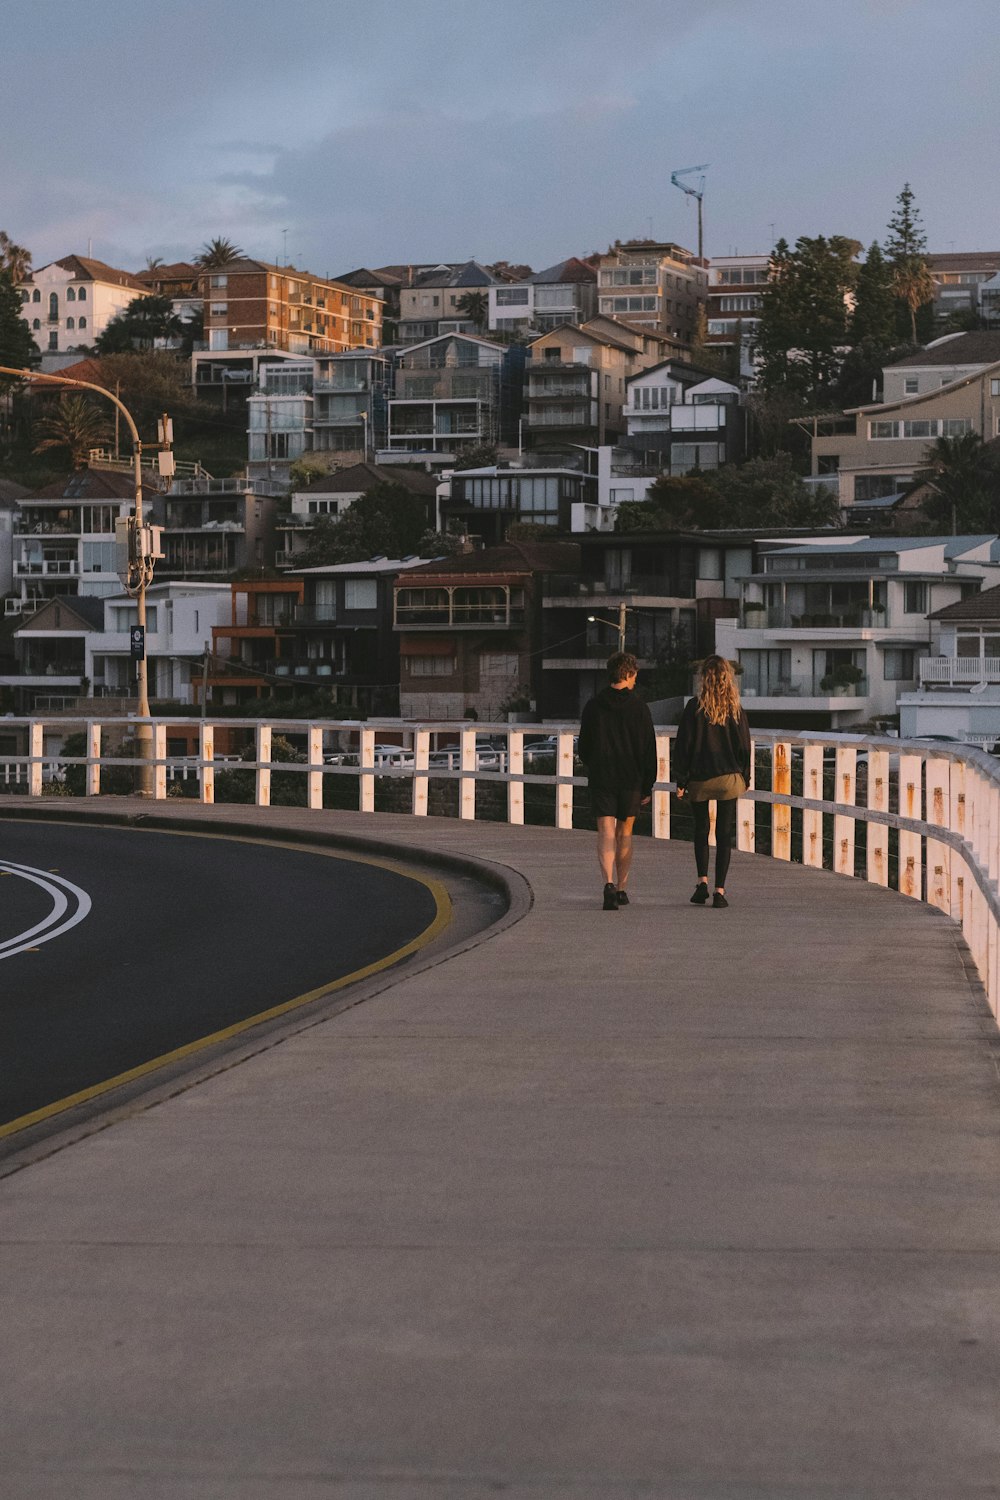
(618, 747)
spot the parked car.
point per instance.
(544, 748)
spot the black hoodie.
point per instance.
(618, 742)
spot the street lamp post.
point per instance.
(143, 563)
(618, 624)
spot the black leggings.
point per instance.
(725, 828)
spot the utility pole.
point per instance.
(143, 549)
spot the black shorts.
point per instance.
(609, 802)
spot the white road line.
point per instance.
(57, 922)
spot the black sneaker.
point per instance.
(700, 895)
(623, 898)
(719, 900)
(610, 897)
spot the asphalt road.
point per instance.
(120, 945)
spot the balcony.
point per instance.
(959, 671)
(62, 567)
(576, 393)
(563, 593)
(584, 415)
(781, 617)
(458, 617)
(315, 614)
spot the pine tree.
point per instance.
(18, 350)
(874, 316)
(906, 233)
(905, 251)
(802, 335)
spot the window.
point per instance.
(512, 296)
(36, 295)
(995, 387)
(746, 303)
(219, 309)
(882, 429)
(36, 323)
(70, 294)
(430, 666)
(921, 429)
(911, 385)
(955, 426)
(82, 323)
(53, 340)
(217, 282)
(81, 295)
(915, 598)
(70, 323)
(360, 593)
(766, 672)
(498, 664)
(53, 307)
(899, 664)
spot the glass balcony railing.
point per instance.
(779, 617)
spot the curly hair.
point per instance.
(719, 698)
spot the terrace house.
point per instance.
(469, 630)
(672, 591)
(944, 390)
(453, 392)
(563, 293)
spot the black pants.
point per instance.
(725, 829)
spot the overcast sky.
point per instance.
(342, 133)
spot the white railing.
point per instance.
(922, 819)
(959, 671)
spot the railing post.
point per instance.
(314, 779)
(515, 767)
(781, 813)
(564, 789)
(746, 816)
(812, 821)
(159, 762)
(93, 781)
(263, 772)
(421, 760)
(467, 780)
(661, 800)
(938, 855)
(877, 834)
(366, 778)
(910, 875)
(36, 744)
(206, 754)
(843, 826)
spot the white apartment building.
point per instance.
(179, 620)
(831, 633)
(71, 301)
(959, 692)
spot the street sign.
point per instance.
(138, 637)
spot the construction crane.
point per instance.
(693, 192)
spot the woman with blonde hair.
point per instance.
(712, 764)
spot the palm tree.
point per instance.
(913, 284)
(77, 425)
(956, 473)
(15, 260)
(154, 262)
(218, 252)
(475, 306)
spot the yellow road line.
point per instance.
(442, 916)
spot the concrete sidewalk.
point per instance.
(665, 1202)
